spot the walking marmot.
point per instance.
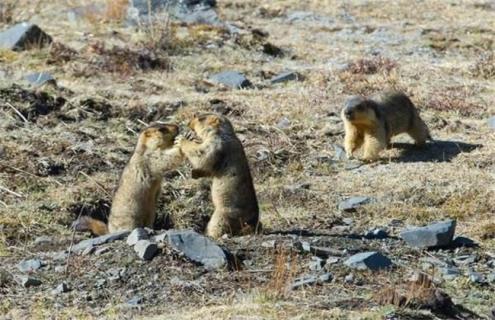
(220, 155)
(135, 200)
(374, 122)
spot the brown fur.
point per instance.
(220, 155)
(135, 200)
(372, 123)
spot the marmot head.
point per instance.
(157, 136)
(205, 124)
(359, 110)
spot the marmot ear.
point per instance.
(214, 121)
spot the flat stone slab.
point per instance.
(107, 238)
(368, 261)
(198, 248)
(350, 204)
(311, 280)
(285, 77)
(24, 36)
(231, 79)
(491, 122)
(438, 234)
(136, 235)
(29, 265)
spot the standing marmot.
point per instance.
(135, 200)
(375, 122)
(220, 155)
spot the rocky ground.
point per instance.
(66, 135)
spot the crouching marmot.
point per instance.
(135, 200)
(220, 155)
(374, 122)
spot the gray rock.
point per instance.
(331, 261)
(283, 123)
(29, 265)
(368, 260)
(59, 269)
(145, 249)
(268, 244)
(136, 235)
(491, 277)
(310, 280)
(476, 277)
(38, 79)
(376, 233)
(491, 122)
(352, 203)
(107, 238)
(450, 272)
(464, 242)
(349, 278)
(437, 234)
(340, 154)
(188, 11)
(231, 79)
(43, 240)
(465, 259)
(134, 301)
(23, 36)
(162, 237)
(285, 77)
(316, 264)
(101, 251)
(88, 251)
(61, 288)
(27, 282)
(198, 248)
(348, 221)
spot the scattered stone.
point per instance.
(29, 265)
(188, 11)
(350, 204)
(111, 237)
(231, 79)
(476, 277)
(310, 280)
(491, 122)
(38, 79)
(134, 301)
(59, 269)
(285, 77)
(162, 237)
(101, 251)
(491, 278)
(43, 240)
(23, 36)
(348, 221)
(331, 261)
(198, 248)
(136, 235)
(268, 244)
(368, 260)
(465, 259)
(349, 278)
(298, 186)
(283, 123)
(88, 251)
(450, 272)
(438, 234)
(61, 288)
(316, 264)
(323, 252)
(27, 282)
(145, 249)
(376, 233)
(340, 154)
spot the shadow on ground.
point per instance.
(436, 151)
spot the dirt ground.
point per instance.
(62, 150)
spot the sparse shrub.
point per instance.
(453, 100)
(284, 270)
(371, 66)
(116, 10)
(484, 67)
(6, 12)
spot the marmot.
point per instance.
(220, 155)
(135, 200)
(375, 121)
